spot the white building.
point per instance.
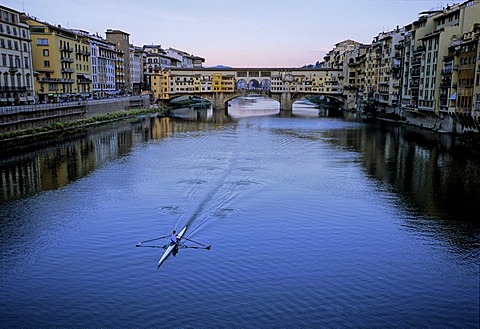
(136, 69)
(103, 58)
(16, 69)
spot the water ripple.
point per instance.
(171, 210)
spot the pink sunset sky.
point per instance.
(247, 33)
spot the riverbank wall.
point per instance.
(40, 115)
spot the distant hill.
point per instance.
(220, 67)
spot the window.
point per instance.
(45, 52)
(42, 42)
(46, 63)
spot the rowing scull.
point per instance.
(171, 247)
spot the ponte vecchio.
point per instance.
(219, 85)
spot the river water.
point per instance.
(314, 221)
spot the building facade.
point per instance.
(121, 40)
(16, 70)
(136, 69)
(61, 60)
(103, 62)
(439, 60)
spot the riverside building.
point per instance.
(121, 40)
(431, 68)
(61, 60)
(103, 59)
(16, 72)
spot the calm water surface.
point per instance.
(314, 222)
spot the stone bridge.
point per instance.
(220, 85)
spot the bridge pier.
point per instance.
(219, 101)
(286, 102)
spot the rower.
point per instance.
(173, 238)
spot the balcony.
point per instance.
(55, 80)
(67, 49)
(415, 73)
(82, 52)
(68, 70)
(446, 83)
(12, 69)
(67, 59)
(420, 49)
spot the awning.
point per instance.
(454, 96)
(30, 98)
(11, 99)
(3, 100)
(23, 99)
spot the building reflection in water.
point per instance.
(47, 167)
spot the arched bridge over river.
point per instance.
(219, 85)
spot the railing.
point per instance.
(39, 107)
(7, 88)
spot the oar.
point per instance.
(193, 247)
(195, 242)
(163, 247)
(162, 237)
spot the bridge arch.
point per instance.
(265, 84)
(253, 84)
(242, 84)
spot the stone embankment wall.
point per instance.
(448, 123)
(33, 116)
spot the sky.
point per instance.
(246, 33)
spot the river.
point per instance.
(314, 221)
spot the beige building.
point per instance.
(430, 66)
(121, 40)
(354, 72)
(61, 60)
(16, 71)
(387, 63)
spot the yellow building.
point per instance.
(61, 60)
